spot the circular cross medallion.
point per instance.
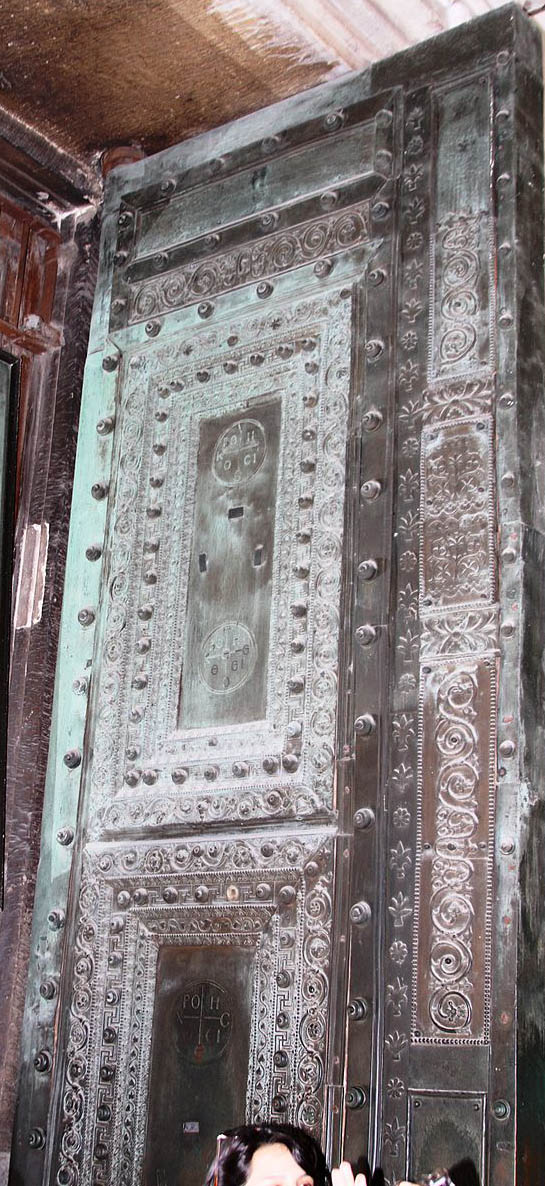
(228, 657)
(240, 452)
(204, 1015)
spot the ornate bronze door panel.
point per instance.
(291, 870)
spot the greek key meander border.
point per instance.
(148, 881)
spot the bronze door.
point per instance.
(278, 676)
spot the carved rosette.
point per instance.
(270, 896)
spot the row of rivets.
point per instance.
(365, 725)
(202, 893)
(72, 758)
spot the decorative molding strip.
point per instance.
(457, 558)
(253, 261)
(452, 919)
(465, 632)
(462, 302)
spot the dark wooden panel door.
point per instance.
(277, 687)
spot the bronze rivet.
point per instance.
(105, 425)
(371, 420)
(360, 913)
(65, 836)
(364, 819)
(43, 1061)
(72, 758)
(333, 120)
(501, 1109)
(329, 199)
(355, 1098)
(366, 635)
(367, 570)
(86, 616)
(323, 268)
(370, 490)
(357, 1009)
(56, 919)
(374, 348)
(365, 725)
(36, 1138)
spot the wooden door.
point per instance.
(273, 773)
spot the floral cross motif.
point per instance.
(397, 996)
(401, 859)
(400, 909)
(403, 730)
(402, 778)
(396, 1043)
(394, 1137)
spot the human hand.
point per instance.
(344, 1176)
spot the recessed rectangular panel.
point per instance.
(226, 541)
(457, 537)
(444, 1128)
(199, 1062)
(225, 670)
(462, 339)
(347, 155)
(199, 960)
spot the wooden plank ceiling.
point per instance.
(93, 74)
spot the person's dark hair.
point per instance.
(240, 1144)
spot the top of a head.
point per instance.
(239, 1145)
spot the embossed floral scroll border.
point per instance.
(272, 895)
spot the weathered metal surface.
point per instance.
(9, 411)
(440, 1124)
(265, 897)
(361, 382)
(31, 298)
(226, 662)
(452, 923)
(202, 1027)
